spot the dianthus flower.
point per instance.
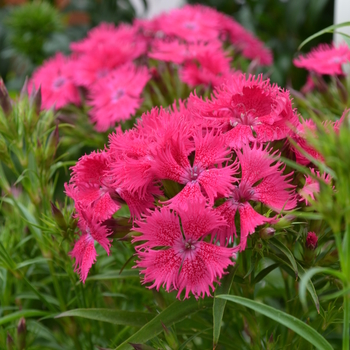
(311, 241)
(84, 251)
(203, 63)
(204, 180)
(107, 34)
(247, 109)
(131, 152)
(261, 181)
(191, 23)
(312, 186)
(55, 77)
(325, 59)
(187, 262)
(116, 97)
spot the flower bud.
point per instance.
(21, 334)
(52, 144)
(9, 342)
(267, 233)
(311, 241)
(5, 101)
(58, 216)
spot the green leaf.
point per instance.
(279, 245)
(115, 274)
(329, 29)
(175, 312)
(306, 279)
(126, 318)
(219, 304)
(264, 273)
(23, 313)
(296, 325)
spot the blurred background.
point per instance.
(31, 31)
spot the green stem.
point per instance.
(346, 328)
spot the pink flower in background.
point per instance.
(187, 262)
(106, 34)
(262, 181)
(117, 96)
(250, 46)
(55, 77)
(324, 59)
(191, 23)
(309, 85)
(242, 106)
(84, 251)
(312, 186)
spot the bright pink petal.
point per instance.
(249, 220)
(84, 253)
(162, 228)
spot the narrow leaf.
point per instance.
(296, 325)
(264, 273)
(126, 318)
(279, 245)
(175, 312)
(115, 274)
(23, 313)
(219, 304)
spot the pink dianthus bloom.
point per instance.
(188, 263)
(55, 77)
(261, 181)
(84, 251)
(242, 106)
(191, 23)
(116, 97)
(312, 186)
(107, 34)
(208, 177)
(311, 241)
(325, 59)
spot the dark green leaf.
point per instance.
(296, 325)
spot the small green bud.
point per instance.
(267, 233)
(9, 342)
(52, 144)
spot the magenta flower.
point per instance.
(206, 179)
(55, 77)
(191, 23)
(116, 97)
(88, 186)
(84, 251)
(262, 181)
(186, 262)
(325, 59)
(247, 110)
(311, 241)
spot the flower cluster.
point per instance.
(109, 69)
(198, 177)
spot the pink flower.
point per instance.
(242, 106)
(107, 34)
(191, 23)
(245, 41)
(84, 251)
(309, 85)
(325, 59)
(55, 77)
(88, 186)
(116, 97)
(207, 178)
(262, 181)
(187, 262)
(312, 186)
(311, 241)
